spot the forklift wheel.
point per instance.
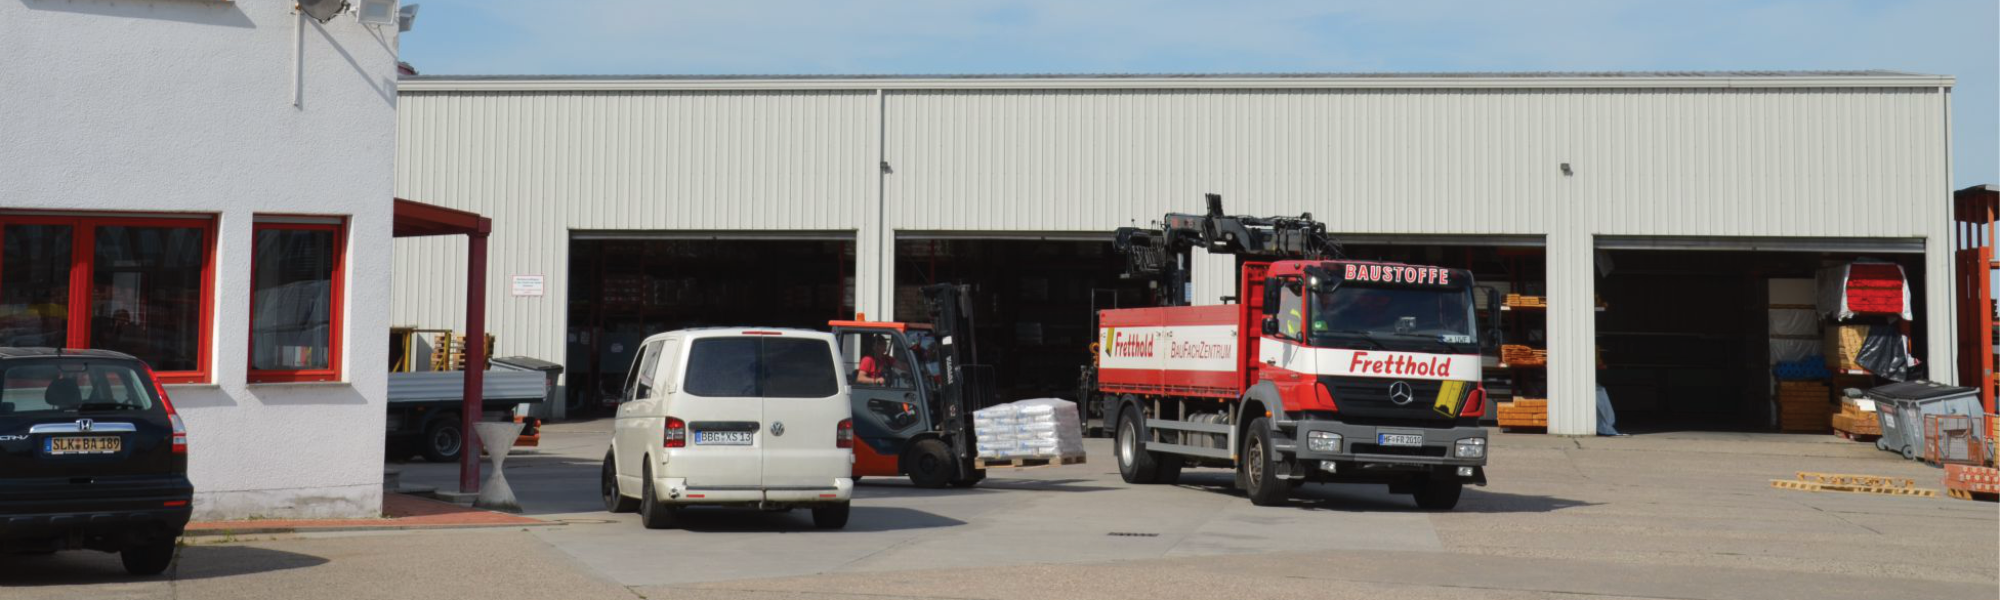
(977, 476)
(929, 463)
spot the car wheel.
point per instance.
(614, 501)
(1438, 494)
(443, 439)
(1260, 481)
(1135, 464)
(652, 513)
(831, 515)
(149, 559)
(929, 463)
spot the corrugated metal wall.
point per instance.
(1685, 161)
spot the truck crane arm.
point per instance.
(1164, 255)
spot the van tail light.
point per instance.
(677, 433)
(843, 436)
(1475, 403)
(180, 444)
(1324, 397)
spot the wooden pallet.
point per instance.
(1022, 463)
(1974, 496)
(1787, 484)
(1857, 480)
(1856, 437)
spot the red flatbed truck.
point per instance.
(1323, 370)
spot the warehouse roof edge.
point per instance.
(1529, 80)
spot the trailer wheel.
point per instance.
(1260, 481)
(443, 439)
(1135, 463)
(929, 463)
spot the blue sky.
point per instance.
(580, 37)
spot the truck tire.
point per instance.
(1438, 494)
(614, 501)
(652, 513)
(1260, 481)
(929, 463)
(1135, 463)
(444, 438)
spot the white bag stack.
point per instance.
(1039, 428)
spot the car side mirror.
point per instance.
(1270, 325)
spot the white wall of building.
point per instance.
(187, 107)
(1848, 155)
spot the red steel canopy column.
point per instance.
(415, 219)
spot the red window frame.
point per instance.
(83, 258)
(336, 328)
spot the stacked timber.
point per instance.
(1857, 421)
(1524, 413)
(1516, 355)
(1804, 406)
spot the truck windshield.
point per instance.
(1380, 314)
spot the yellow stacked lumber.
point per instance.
(1515, 355)
(1524, 413)
(1804, 406)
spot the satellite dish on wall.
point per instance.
(322, 10)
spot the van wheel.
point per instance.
(1438, 494)
(1135, 463)
(831, 515)
(443, 439)
(150, 559)
(652, 513)
(1260, 481)
(929, 463)
(614, 501)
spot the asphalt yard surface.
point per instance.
(1682, 516)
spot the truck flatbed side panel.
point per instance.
(1179, 351)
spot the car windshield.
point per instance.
(1351, 310)
(71, 386)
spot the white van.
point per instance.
(733, 417)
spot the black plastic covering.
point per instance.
(1885, 353)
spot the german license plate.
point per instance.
(724, 438)
(1400, 439)
(101, 444)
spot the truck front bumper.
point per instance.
(1361, 447)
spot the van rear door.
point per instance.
(803, 408)
(720, 403)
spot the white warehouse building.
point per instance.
(1659, 214)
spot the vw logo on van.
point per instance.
(778, 428)
(1400, 393)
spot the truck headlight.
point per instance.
(1322, 441)
(1472, 448)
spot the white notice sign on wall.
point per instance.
(528, 285)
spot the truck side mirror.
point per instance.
(1270, 325)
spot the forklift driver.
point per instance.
(879, 366)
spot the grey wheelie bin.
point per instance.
(1901, 408)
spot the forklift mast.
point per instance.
(1164, 255)
(968, 384)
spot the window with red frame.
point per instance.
(295, 296)
(139, 285)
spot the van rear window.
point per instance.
(761, 367)
(71, 386)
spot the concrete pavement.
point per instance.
(1687, 516)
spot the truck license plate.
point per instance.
(1401, 439)
(103, 444)
(724, 438)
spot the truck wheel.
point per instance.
(1438, 494)
(1260, 481)
(443, 439)
(652, 513)
(830, 515)
(929, 463)
(614, 501)
(1135, 463)
(149, 559)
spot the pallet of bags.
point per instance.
(1028, 433)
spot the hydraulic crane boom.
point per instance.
(1164, 255)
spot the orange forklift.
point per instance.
(914, 389)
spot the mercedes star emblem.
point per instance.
(778, 428)
(1400, 393)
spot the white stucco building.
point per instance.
(218, 177)
(1680, 199)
